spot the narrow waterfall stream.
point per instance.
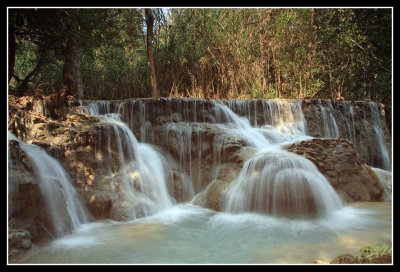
(62, 201)
(137, 162)
(278, 209)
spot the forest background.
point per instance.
(218, 53)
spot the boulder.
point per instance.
(385, 177)
(26, 206)
(100, 204)
(19, 241)
(212, 195)
(345, 169)
(344, 259)
(354, 121)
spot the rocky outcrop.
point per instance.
(385, 177)
(210, 197)
(336, 159)
(365, 124)
(19, 241)
(200, 149)
(195, 147)
(26, 206)
(345, 169)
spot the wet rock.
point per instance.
(353, 121)
(385, 178)
(211, 196)
(19, 241)
(187, 135)
(344, 259)
(345, 169)
(99, 205)
(27, 207)
(318, 262)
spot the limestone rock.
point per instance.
(318, 262)
(19, 241)
(99, 205)
(211, 196)
(344, 259)
(345, 169)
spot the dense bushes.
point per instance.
(213, 53)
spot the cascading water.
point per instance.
(278, 183)
(275, 181)
(382, 145)
(277, 207)
(62, 201)
(330, 127)
(142, 181)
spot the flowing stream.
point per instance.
(279, 209)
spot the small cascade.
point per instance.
(62, 201)
(264, 125)
(141, 185)
(349, 109)
(12, 187)
(283, 116)
(330, 127)
(280, 183)
(380, 137)
(358, 122)
(275, 181)
(297, 186)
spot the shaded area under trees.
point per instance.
(236, 53)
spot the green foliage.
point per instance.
(369, 253)
(214, 53)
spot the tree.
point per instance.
(11, 44)
(30, 28)
(72, 69)
(153, 79)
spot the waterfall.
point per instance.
(12, 187)
(278, 183)
(264, 125)
(62, 201)
(380, 137)
(275, 181)
(330, 127)
(142, 189)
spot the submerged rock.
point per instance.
(344, 259)
(19, 241)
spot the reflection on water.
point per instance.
(189, 234)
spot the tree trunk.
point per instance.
(72, 69)
(150, 59)
(22, 87)
(301, 94)
(310, 39)
(373, 92)
(11, 48)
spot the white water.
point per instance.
(330, 127)
(276, 181)
(62, 201)
(377, 125)
(138, 162)
(279, 183)
(260, 223)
